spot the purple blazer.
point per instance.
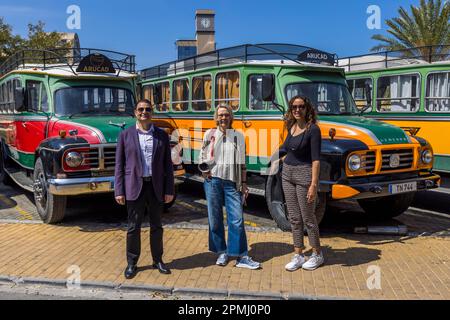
(128, 170)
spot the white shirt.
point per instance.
(146, 144)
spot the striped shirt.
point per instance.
(227, 152)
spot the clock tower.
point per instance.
(205, 34)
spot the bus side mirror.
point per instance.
(157, 96)
(368, 92)
(268, 87)
(20, 103)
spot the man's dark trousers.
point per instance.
(148, 203)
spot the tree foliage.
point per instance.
(425, 25)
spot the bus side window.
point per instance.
(201, 93)
(164, 89)
(44, 99)
(147, 93)
(398, 93)
(180, 95)
(2, 98)
(33, 91)
(227, 89)
(438, 92)
(255, 94)
(357, 88)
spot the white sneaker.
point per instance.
(315, 261)
(222, 260)
(296, 263)
(247, 262)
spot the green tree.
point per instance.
(38, 38)
(8, 42)
(426, 25)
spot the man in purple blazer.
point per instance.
(144, 182)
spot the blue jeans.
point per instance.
(221, 192)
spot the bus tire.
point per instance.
(387, 207)
(51, 208)
(4, 177)
(277, 205)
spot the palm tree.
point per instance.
(426, 28)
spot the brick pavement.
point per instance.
(411, 267)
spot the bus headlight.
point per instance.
(426, 156)
(354, 162)
(74, 159)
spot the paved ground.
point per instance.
(92, 238)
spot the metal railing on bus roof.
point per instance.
(396, 58)
(64, 57)
(238, 54)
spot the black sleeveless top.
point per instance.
(303, 148)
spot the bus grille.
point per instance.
(368, 161)
(406, 159)
(100, 157)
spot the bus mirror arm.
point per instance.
(368, 93)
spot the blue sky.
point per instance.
(150, 28)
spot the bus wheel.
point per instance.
(4, 177)
(387, 207)
(277, 205)
(51, 208)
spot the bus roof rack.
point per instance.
(245, 53)
(46, 59)
(396, 58)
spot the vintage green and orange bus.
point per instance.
(407, 88)
(61, 112)
(361, 159)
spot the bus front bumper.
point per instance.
(79, 186)
(383, 189)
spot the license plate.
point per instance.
(402, 187)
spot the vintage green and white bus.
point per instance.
(61, 112)
(407, 88)
(361, 158)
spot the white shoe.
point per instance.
(315, 261)
(247, 262)
(222, 260)
(296, 263)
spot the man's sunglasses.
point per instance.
(142, 110)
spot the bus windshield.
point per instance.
(327, 98)
(93, 101)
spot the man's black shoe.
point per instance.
(130, 271)
(161, 267)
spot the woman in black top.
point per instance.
(300, 178)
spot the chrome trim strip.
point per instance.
(80, 185)
(417, 118)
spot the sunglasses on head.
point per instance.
(141, 110)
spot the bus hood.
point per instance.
(370, 131)
(106, 128)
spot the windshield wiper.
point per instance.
(79, 113)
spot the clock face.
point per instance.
(206, 23)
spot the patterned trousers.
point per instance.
(296, 181)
